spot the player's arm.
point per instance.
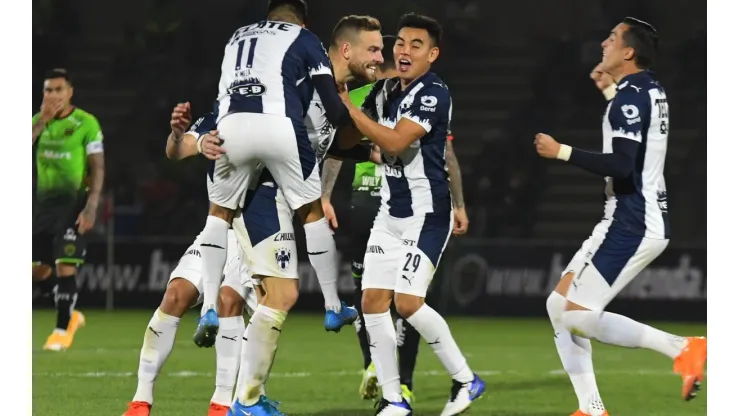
(626, 118)
(38, 127)
(96, 168)
(201, 138)
(49, 109)
(453, 167)
(319, 69)
(417, 120)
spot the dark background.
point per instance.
(512, 73)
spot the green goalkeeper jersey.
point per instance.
(61, 155)
(368, 177)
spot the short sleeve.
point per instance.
(93, 136)
(203, 125)
(428, 107)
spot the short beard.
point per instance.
(358, 71)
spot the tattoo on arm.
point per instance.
(97, 175)
(456, 187)
(38, 128)
(329, 176)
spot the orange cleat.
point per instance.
(690, 365)
(217, 410)
(76, 321)
(580, 413)
(138, 409)
(62, 340)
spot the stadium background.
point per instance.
(514, 68)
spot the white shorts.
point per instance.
(612, 260)
(253, 140)
(588, 247)
(265, 233)
(236, 273)
(402, 254)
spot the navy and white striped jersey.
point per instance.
(639, 112)
(275, 68)
(416, 182)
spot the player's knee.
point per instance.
(230, 303)
(225, 214)
(376, 301)
(178, 298)
(582, 323)
(407, 305)
(555, 304)
(281, 294)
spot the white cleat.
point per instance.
(463, 395)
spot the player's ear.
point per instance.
(433, 54)
(345, 50)
(629, 54)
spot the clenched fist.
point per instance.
(546, 146)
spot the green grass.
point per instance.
(318, 373)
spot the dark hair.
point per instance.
(389, 61)
(355, 24)
(643, 38)
(298, 8)
(58, 73)
(427, 23)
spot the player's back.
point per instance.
(639, 112)
(267, 68)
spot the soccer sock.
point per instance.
(322, 253)
(575, 354)
(436, 333)
(407, 339)
(382, 339)
(158, 341)
(228, 349)
(360, 325)
(65, 298)
(214, 239)
(260, 344)
(619, 330)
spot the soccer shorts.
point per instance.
(55, 238)
(236, 272)
(265, 233)
(403, 253)
(588, 247)
(253, 140)
(612, 261)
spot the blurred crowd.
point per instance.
(171, 56)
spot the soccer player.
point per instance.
(356, 61)
(270, 71)
(415, 218)
(634, 229)
(71, 168)
(365, 204)
(185, 286)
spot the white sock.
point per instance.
(575, 354)
(382, 339)
(322, 253)
(435, 331)
(228, 350)
(213, 244)
(158, 341)
(619, 330)
(258, 352)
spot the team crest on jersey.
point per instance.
(282, 257)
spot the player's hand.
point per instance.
(86, 220)
(601, 78)
(51, 108)
(181, 119)
(460, 226)
(329, 213)
(344, 94)
(546, 146)
(210, 146)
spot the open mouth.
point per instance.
(404, 64)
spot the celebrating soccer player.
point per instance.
(634, 229)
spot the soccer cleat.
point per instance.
(334, 321)
(263, 407)
(205, 333)
(76, 321)
(462, 395)
(407, 394)
(61, 340)
(580, 413)
(387, 408)
(217, 410)
(690, 365)
(138, 409)
(369, 385)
